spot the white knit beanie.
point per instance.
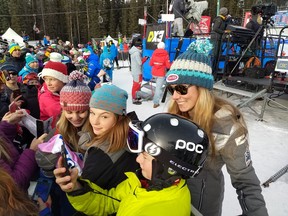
(161, 45)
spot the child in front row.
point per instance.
(167, 156)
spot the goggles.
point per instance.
(180, 89)
(135, 138)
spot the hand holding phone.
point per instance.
(13, 107)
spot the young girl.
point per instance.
(55, 77)
(106, 158)
(74, 127)
(167, 156)
(74, 119)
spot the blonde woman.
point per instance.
(190, 82)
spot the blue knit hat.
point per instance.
(110, 98)
(30, 58)
(193, 66)
(13, 47)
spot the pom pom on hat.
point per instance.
(193, 66)
(13, 47)
(57, 70)
(76, 94)
(110, 98)
(55, 57)
(30, 58)
(161, 45)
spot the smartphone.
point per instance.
(39, 127)
(42, 189)
(13, 107)
(64, 159)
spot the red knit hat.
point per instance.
(75, 95)
(57, 70)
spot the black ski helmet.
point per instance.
(176, 142)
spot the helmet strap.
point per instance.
(160, 177)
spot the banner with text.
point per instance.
(155, 34)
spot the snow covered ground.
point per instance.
(268, 145)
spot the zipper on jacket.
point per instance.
(242, 202)
(201, 195)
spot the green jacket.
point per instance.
(129, 198)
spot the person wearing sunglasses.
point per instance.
(190, 82)
(167, 155)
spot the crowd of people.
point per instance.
(101, 159)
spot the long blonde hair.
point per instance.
(14, 201)
(204, 111)
(116, 136)
(69, 132)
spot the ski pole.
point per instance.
(276, 176)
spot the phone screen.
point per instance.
(42, 189)
(13, 107)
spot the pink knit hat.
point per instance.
(75, 95)
(57, 70)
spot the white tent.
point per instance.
(11, 34)
(109, 38)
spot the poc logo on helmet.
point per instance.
(190, 146)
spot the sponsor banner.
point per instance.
(203, 27)
(155, 34)
(281, 19)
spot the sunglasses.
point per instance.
(13, 73)
(180, 89)
(135, 138)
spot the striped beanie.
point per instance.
(57, 70)
(110, 98)
(13, 46)
(75, 95)
(193, 66)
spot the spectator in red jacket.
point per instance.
(160, 62)
(55, 76)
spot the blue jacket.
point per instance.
(114, 50)
(107, 54)
(26, 70)
(93, 69)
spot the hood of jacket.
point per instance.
(160, 52)
(134, 50)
